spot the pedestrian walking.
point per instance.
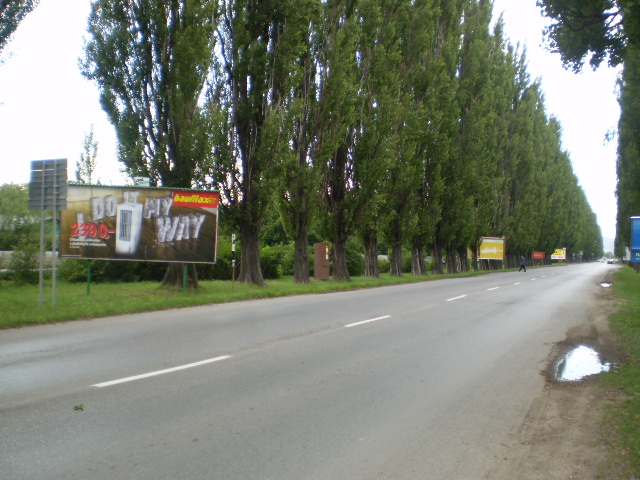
(523, 263)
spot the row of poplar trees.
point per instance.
(412, 121)
(628, 158)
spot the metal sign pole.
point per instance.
(53, 258)
(233, 261)
(89, 277)
(185, 273)
(48, 190)
(41, 275)
(55, 233)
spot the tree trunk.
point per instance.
(474, 258)
(250, 271)
(340, 269)
(174, 276)
(452, 266)
(370, 240)
(396, 260)
(301, 258)
(463, 259)
(417, 261)
(437, 255)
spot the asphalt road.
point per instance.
(422, 381)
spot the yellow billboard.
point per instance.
(559, 254)
(491, 248)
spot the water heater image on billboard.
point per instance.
(129, 223)
(128, 228)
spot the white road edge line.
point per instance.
(455, 298)
(367, 321)
(160, 372)
(494, 288)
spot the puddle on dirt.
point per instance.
(580, 362)
(606, 285)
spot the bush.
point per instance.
(111, 271)
(288, 259)
(270, 260)
(355, 257)
(406, 260)
(73, 270)
(24, 264)
(222, 269)
(384, 265)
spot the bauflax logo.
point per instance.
(189, 199)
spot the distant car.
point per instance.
(610, 261)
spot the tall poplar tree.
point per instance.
(295, 174)
(628, 158)
(435, 89)
(379, 153)
(337, 116)
(150, 60)
(417, 32)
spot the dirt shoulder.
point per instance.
(563, 435)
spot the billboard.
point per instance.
(539, 255)
(491, 248)
(133, 223)
(559, 254)
(635, 239)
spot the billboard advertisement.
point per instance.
(491, 248)
(134, 223)
(559, 254)
(635, 239)
(539, 255)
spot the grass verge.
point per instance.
(21, 304)
(623, 419)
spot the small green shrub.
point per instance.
(384, 265)
(111, 271)
(355, 257)
(406, 260)
(73, 270)
(270, 260)
(24, 264)
(222, 269)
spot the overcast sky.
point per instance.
(47, 107)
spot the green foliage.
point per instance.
(355, 259)
(12, 12)
(288, 259)
(106, 271)
(18, 225)
(384, 266)
(593, 29)
(628, 161)
(24, 265)
(73, 270)
(150, 61)
(270, 261)
(273, 232)
(223, 268)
